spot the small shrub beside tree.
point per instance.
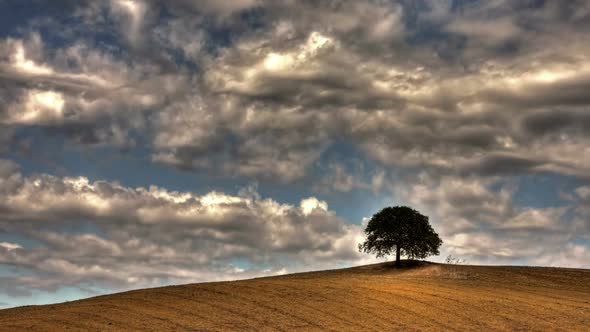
(452, 260)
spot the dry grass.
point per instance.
(368, 298)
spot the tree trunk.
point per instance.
(397, 256)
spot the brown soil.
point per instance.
(378, 297)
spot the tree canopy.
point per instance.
(402, 230)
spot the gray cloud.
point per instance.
(483, 224)
(264, 97)
(500, 164)
(221, 8)
(411, 115)
(150, 236)
(86, 93)
(549, 122)
(581, 201)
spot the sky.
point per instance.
(149, 142)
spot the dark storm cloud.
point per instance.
(256, 83)
(223, 7)
(501, 164)
(557, 121)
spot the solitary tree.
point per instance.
(403, 230)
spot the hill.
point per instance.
(368, 298)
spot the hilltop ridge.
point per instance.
(378, 297)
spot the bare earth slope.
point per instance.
(368, 298)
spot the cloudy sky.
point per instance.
(149, 142)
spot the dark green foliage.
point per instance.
(401, 230)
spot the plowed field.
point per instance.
(428, 297)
